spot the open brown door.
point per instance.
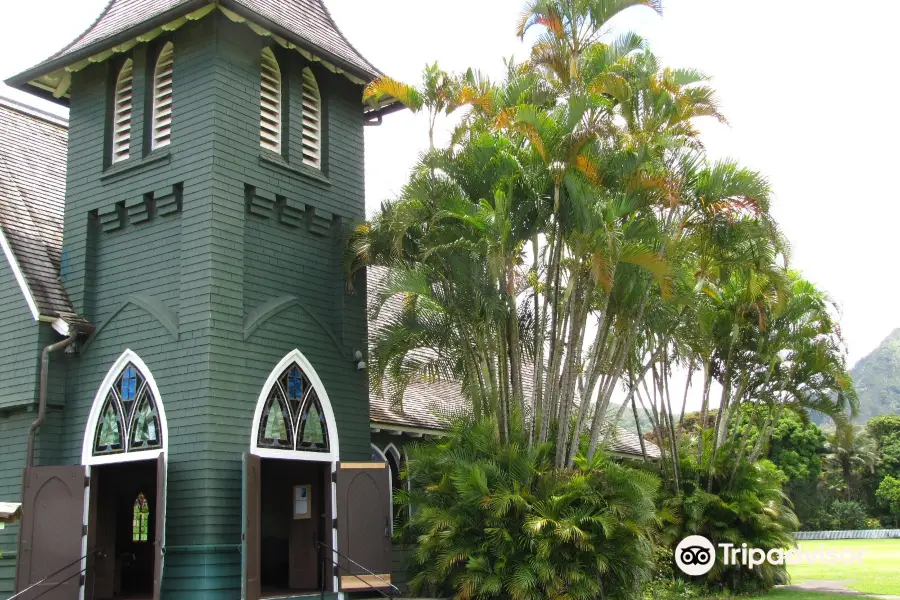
(160, 526)
(50, 532)
(250, 584)
(364, 525)
(93, 561)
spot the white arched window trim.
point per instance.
(161, 122)
(392, 449)
(123, 100)
(270, 84)
(333, 453)
(380, 453)
(383, 456)
(312, 121)
(87, 454)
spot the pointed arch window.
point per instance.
(122, 103)
(140, 521)
(292, 417)
(129, 419)
(162, 97)
(312, 120)
(270, 102)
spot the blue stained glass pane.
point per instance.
(295, 384)
(129, 383)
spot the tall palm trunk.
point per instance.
(766, 434)
(537, 400)
(676, 465)
(581, 306)
(617, 370)
(687, 387)
(637, 424)
(556, 244)
(515, 356)
(704, 412)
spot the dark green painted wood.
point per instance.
(210, 264)
(18, 342)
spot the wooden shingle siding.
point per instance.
(13, 432)
(209, 264)
(18, 343)
(21, 338)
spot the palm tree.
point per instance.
(571, 28)
(438, 93)
(585, 162)
(850, 450)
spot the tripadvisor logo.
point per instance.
(695, 555)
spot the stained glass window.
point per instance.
(292, 417)
(140, 521)
(109, 430)
(129, 420)
(275, 430)
(313, 433)
(295, 383)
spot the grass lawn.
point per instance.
(879, 572)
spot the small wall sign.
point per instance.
(301, 502)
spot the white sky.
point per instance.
(801, 83)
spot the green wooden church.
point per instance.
(182, 371)
(184, 404)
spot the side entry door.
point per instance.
(250, 583)
(159, 535)
(364, 525)
(50, 534)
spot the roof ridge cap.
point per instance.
(34, 111)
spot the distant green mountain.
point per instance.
(877, 379)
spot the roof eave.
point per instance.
(298, 41)
(377, 113)
(409, 429)
(23, 80)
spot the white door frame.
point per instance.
(333, 454)
(87, 450)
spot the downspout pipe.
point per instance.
(42, 393)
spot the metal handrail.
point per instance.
(336, 565)
(59, 583)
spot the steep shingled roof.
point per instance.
(305, 23)
(430, 405)
(32, 195)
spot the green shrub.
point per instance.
(496, 520)
(873, 523)
(847, 514)
(749, 509)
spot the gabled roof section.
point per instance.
(32, 197)
(304, 24)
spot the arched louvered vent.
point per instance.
(122, 112)
(312, 121)
(270, 102)
(162, 97)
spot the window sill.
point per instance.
(156, 158)
(270, 159)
